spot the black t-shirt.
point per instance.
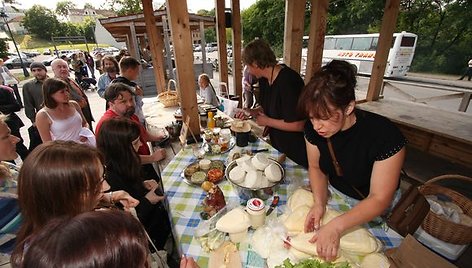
(279, 101)
(372, 138)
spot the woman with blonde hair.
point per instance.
(207, 92)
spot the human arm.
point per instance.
(158, 155)
(43, 124)
(102, 84)
(28, 102)
(121, 196)
(188, 262)
(319, 188)
(264, 120)
(384, 180)
(79, 110)
(8, 103)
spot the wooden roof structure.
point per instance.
(181, 24)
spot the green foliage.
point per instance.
(124, 7)
(265, 19)
(41, 22)
(3, 48)
(62, 7)
(210, 33)
(312, 263)
(444, 30)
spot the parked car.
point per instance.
(12, 63)
(15, 55)
(197, 47)
(31, 54)
(210, 47)
(47, 61)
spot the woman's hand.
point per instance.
(188, 262)
(159, 154)
(327, 241)
(313, 219)
(125, 199)
(262, 119)
(153, 197)
(150, 185)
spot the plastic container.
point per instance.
(256, 209)
(447, 250)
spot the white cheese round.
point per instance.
(273, 173)
(237, 174)
(260, 161)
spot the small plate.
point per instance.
(207, 146)
(194, 165)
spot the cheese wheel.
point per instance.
(251, 179)
(237, 174)
(300, 197)
(243, 159)
(260, 161)
(235, 221)
(329, 215)
(375, 260)
(247, 166)
(264, 182)
(273, 173)
(359, 241)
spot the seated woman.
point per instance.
(60, 179)
(207, 92)
(119, 142)
(352, 153)
(108, 238)
(9, 209)
(61, 118)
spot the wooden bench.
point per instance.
(441, 133)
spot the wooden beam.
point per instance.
(293, 34)
(221, 37)
(133, 49)
(237, 66)
(203, 44)
(168, 57)
(182, 41)
(319, 13)
(156, 45)
(389, 21)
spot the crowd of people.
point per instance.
(348, 152)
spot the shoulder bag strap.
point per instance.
(339, 170)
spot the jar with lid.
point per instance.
(211, 120)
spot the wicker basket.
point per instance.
(441, 228)
(169, 98)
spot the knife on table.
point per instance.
(273, 205)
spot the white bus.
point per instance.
(359, 49)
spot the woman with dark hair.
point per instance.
(61, 118)
(111, 70)
(61, 179)
(119, 142)
(107, 238)
(354, 154)
(280, 88)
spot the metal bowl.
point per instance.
(246, 193)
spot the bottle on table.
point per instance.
(211, 120)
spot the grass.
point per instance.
(41, 45)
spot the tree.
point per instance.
(62, 7)
(41, 22)
(124, 7)
(88, 5)
(210, 33)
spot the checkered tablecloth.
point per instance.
(185, 204)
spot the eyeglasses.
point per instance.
(104, 175)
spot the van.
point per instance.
(210, 47)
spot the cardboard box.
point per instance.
(411, 254)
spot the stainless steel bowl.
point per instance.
(248, 193)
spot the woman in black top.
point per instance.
(364, 161)
(119, 142)
(280, 88)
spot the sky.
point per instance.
(193, 5)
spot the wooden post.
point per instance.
(203, 44)
(293, 34)
(314, 57)
(133, 42)
(237, 67)
(389, 21)
(156, 45)
(221, 37)
(165, 29)
(182, 41)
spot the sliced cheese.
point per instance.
(235, 221)
(237, 174)
(300, 197)
(273, 173)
